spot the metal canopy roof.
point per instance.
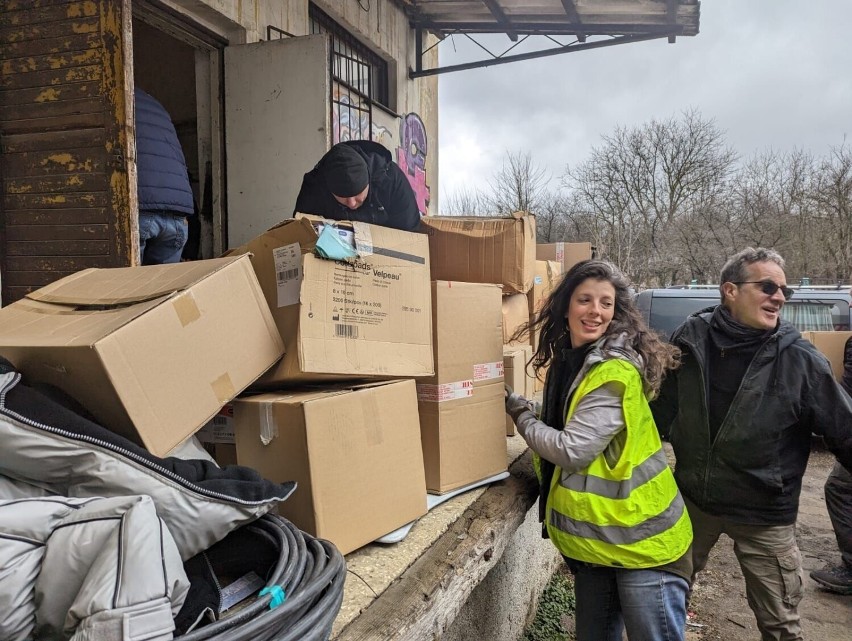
(606, 22)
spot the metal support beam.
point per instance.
(501, 18)
(536, 54)
(571, 12)
(671, 16)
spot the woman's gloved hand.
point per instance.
(517, 404)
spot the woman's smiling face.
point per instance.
(590, 311)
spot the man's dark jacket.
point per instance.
(390, 200)
(752, 471)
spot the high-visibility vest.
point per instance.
(630, 515)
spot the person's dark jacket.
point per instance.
(390, 200)
(752, 471)
(846, 381)
(163, 181)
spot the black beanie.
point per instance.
(345, 171)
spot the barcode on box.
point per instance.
(287, 274)
(345, 331)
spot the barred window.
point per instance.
(359, 79)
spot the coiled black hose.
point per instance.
(311, 573)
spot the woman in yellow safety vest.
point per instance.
(607, 497)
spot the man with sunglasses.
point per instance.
(739, 413)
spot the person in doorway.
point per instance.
(739, 413)
(607, 496)
(838, 501)
(358, 180)
(164, 194)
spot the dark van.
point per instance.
(810, 309)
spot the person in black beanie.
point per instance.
(358, 180)
(739, 413)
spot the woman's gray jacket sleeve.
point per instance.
(597, 421)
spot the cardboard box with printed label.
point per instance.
(566, 254)
(462, 410)
(832, 345)
(515, 359)
(547, 275)
(217, 437)
(152, 352)
(354, 452)
(368, 317)
(483, 250)
(515, 313)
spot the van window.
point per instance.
(667, 314)
(809, 316)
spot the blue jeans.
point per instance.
(161, 237)
(649, 604)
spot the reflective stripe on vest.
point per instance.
(628, 515)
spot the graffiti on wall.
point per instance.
(411, 157)
(351, 120)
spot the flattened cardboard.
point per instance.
(461, 407)
(831, 344)
(483, 250)
(155, 370)
(370, 318)
(566, 254)
(354, 452)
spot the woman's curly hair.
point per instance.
(657, 355)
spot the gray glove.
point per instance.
(517, 404)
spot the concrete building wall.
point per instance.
(382, 26)
(505, 602)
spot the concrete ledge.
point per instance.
(425, 601)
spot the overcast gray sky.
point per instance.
(772, 73)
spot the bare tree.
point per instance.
(832, 197)
(465, 202)
(519, 185)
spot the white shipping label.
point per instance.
(444, 391)
(288, 273)
(560, 252)
(487, 371)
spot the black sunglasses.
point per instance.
(768, 287)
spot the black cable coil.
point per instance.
(309, 572)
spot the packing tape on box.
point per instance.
(487, 371)
(268, 426)
(186, 308)
(224, 389)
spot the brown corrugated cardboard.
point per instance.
(515, 313)
(461, 407)
(567, 254)
(217, 436)
(152, 352)
(831, 344)
(515, 358)
(354, 452)
(368, 318)
(483, 250)
(547, 274)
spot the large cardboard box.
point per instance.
(461, 407)
(515, 359)
(566, 254)
(353, 451)
(483, 250)
(367, 318)
(547, 275)
(515, 313)
(831, 344)
(151, 352)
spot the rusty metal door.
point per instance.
(67, 169)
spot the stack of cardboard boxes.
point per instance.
(391, 380)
